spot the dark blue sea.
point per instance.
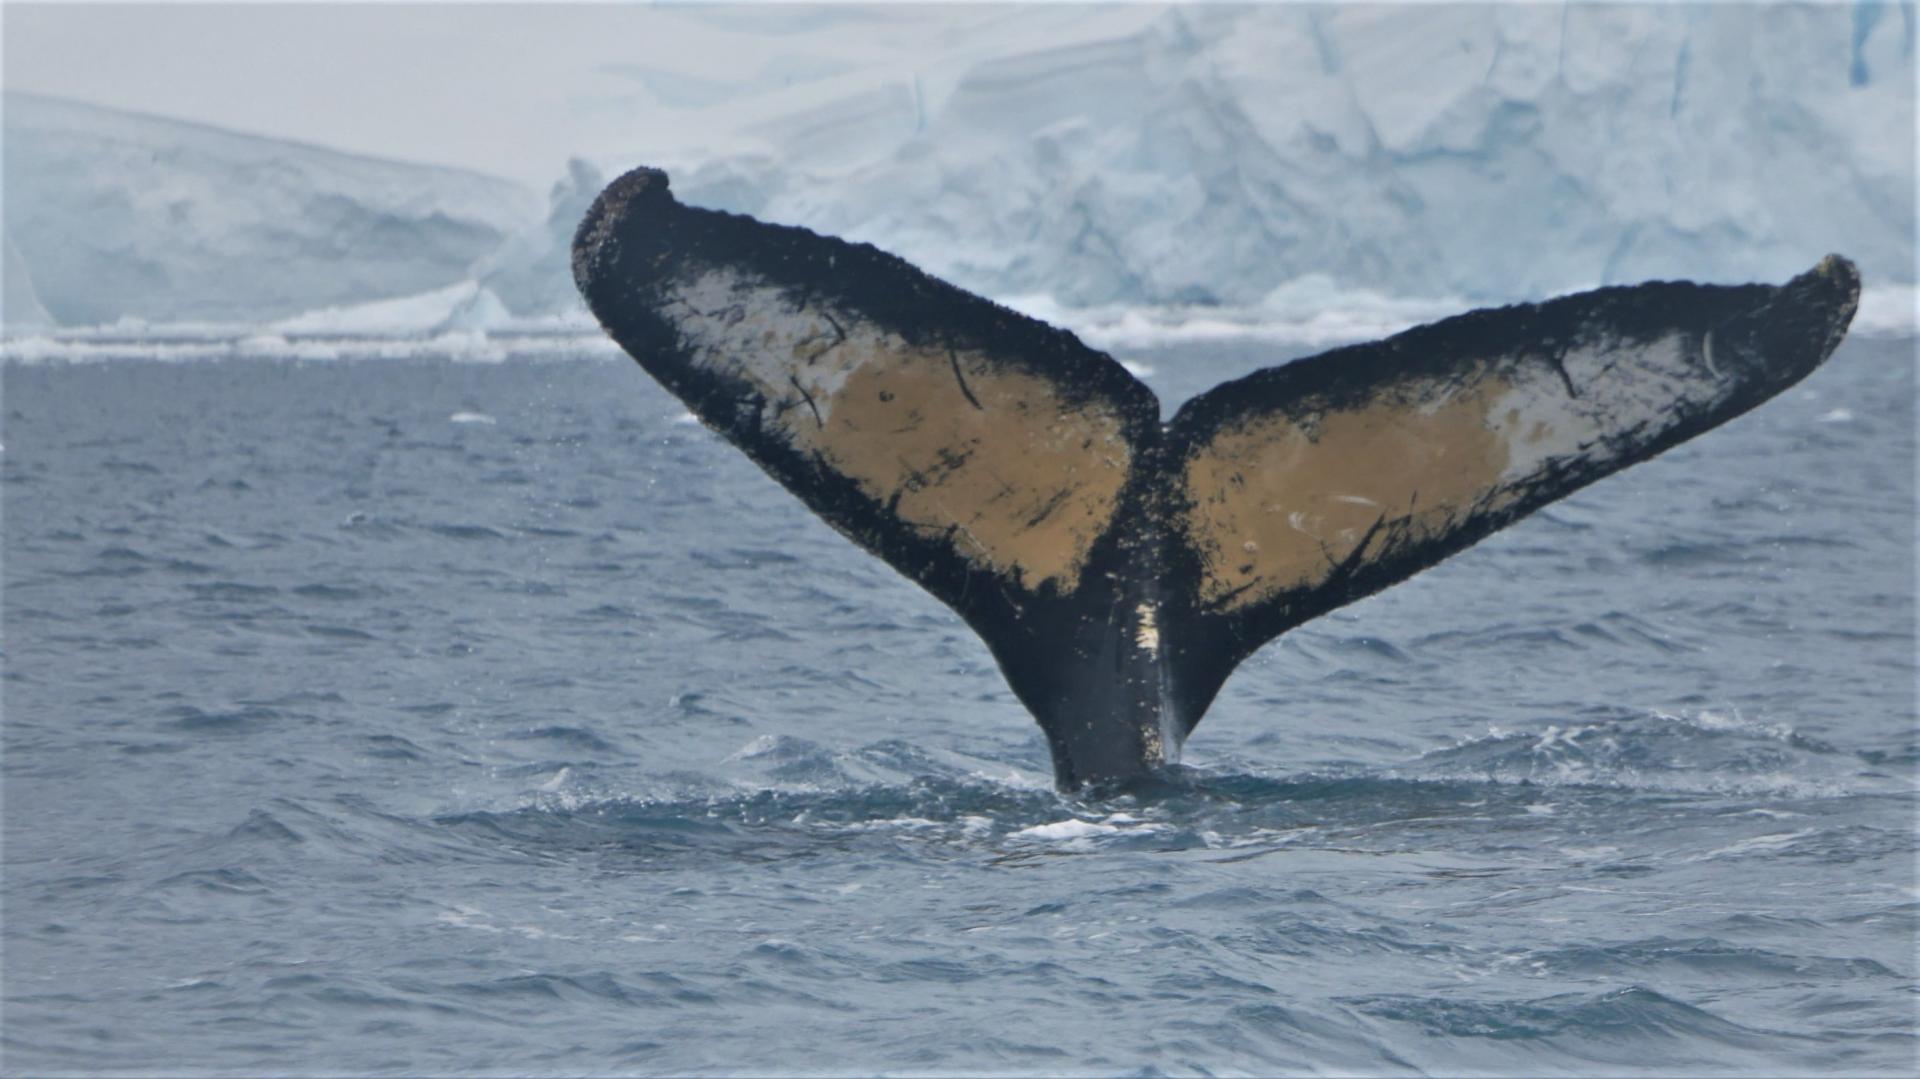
(408, 715)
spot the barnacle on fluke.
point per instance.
(1119, 567)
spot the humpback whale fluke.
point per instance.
(1119, 568)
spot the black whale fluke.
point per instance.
(1120, 568)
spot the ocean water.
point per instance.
(418, 716)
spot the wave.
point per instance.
(1619, 1016)
(791, 798)
(1703, 752)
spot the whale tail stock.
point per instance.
(1119, 568)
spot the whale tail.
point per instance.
(1119, 568)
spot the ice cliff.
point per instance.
(1213, 154)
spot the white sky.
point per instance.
(511, 89)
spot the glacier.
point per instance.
(1315, 172)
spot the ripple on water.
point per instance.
(1625, 1012)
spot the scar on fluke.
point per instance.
(1120, 567)
(953, 358)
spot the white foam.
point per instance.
(1072, 828)
(903, 823)
(1775, 841)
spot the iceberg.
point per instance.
(113, 215)
(531, 273)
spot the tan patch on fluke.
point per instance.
(958, 444)
(1024, 483)
(1277, 505)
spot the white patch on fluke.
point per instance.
(1147, 634)
(1619, 387)
(755, 330)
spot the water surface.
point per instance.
(420, 716)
